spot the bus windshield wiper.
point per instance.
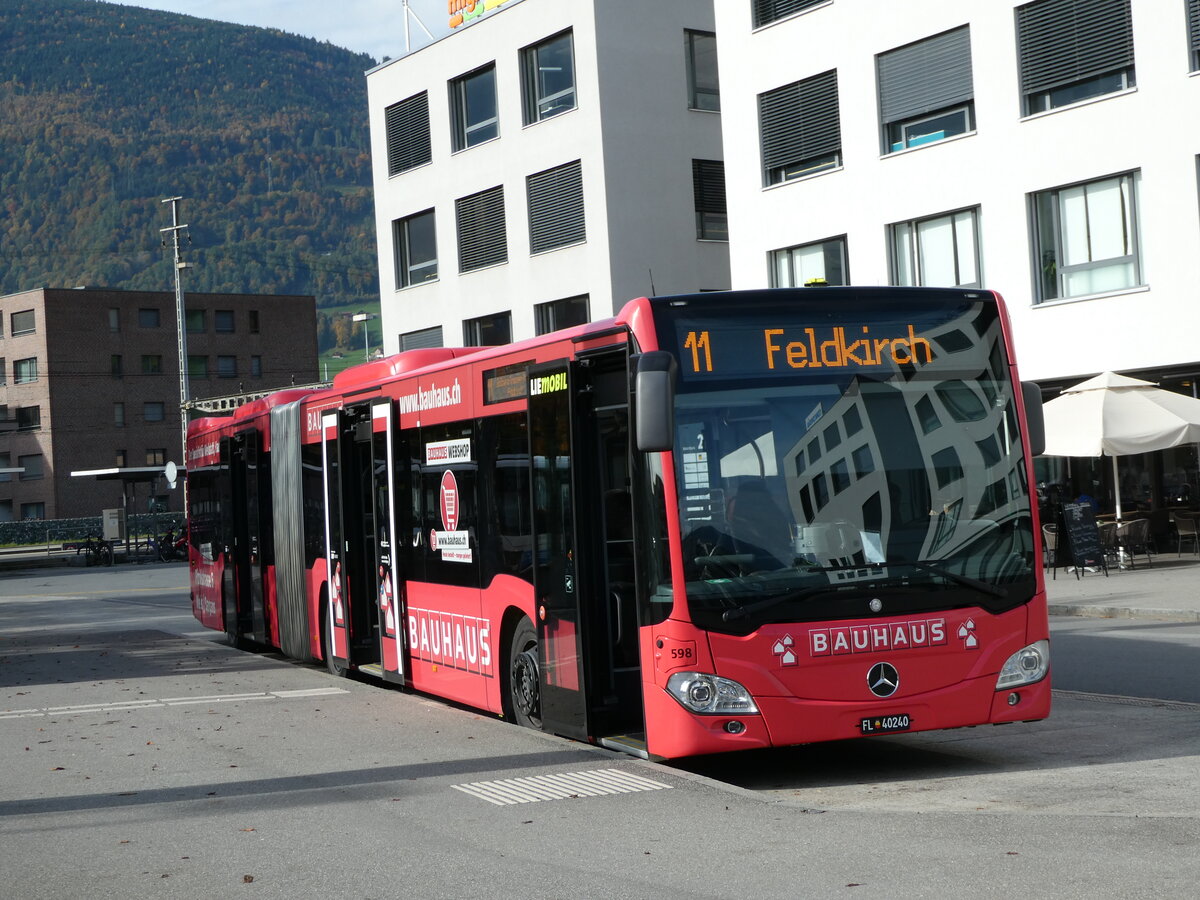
(742, 612)
(982, 586)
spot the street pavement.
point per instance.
(150, 759)
(1167, 588)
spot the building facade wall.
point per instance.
(1008, 156)
(108, 368)
(638, 221)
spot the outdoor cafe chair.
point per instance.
(1050, 546)
(1134, 537)
(1185, 529)
(1108, 543)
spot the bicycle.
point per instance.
(96, 552)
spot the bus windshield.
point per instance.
(847, 456)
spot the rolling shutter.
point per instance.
(482, 237)
(1193, 12)
(1060, 42)
(799, 121)
(556, 207)
(407, 124)
(768, 11)
(931, 74)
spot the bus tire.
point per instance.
(335, 668)
(524, 685)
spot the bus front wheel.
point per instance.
(523, 682)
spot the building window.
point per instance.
(708, 190)
(704, 87)
(119, 415)
(416, 249)
(1086, 238)
(482, 237)
(152, 364)
(119, 459)
(5, 462)
(149, 318)
(926, 92)
(488, 331)
(33, 511)
(939, 251)
(473, 108)
(117, 366)
(196, 321)
(25, 370)
(226, 366)
(254, 321)
(559, 314)
(29, 418)
(407, 127)
(548, 72)
(156, 457)
(821, 262)
(768, 11)
(114, 320)
(3, 371)
(421, 339)
(256, 367)
(223, 321)
(197, 366)
(33, 464)
(801, 134)
(22, 322)
(1193, 17)
(154, 411)
(1072, 50)
(556, 216)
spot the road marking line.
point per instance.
(1121, 700)
(560, 786)
(122, 706)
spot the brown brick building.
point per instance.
(89, 379)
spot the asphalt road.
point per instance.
(143, 757)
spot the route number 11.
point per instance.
(699, 343)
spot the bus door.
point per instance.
(245, 616)
(586, 611)
(359, 483)
(388, 570)
(335, 633)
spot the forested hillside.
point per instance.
(105, 110)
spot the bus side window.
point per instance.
(507, 537)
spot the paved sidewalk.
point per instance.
(1169, 588)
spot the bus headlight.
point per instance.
(1026, 666)
(709, 694)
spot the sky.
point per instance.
(365, 26)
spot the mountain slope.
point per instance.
(109, 109)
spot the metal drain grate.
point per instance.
(562, 786)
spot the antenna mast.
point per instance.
(180, 324)
(407, 34)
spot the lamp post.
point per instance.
(365, 318)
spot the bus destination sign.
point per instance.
(726, 352)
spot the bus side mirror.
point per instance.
(654, 388)
(1035, 422)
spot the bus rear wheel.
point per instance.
(523, 681)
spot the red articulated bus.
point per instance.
(713, 522)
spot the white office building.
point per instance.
(544, 163)
(1047, 150)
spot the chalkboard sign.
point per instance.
(1083, 537)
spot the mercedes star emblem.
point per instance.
(883, 679)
